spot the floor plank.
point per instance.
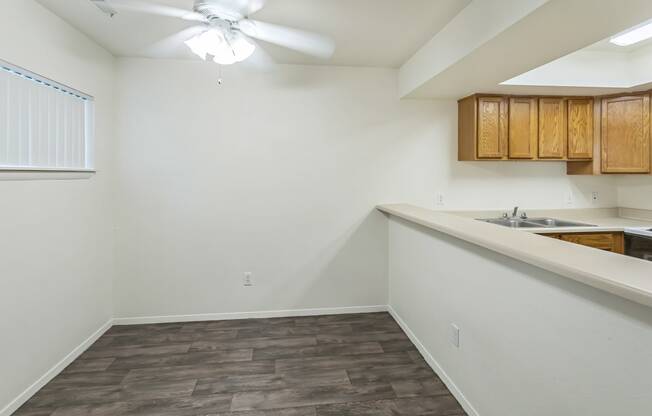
(261, 382)
(332, 365)
(310, 396)
(423, 406)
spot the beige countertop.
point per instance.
(600, 219)
(624, 276)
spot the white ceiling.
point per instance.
(606, 46)
(514, 43)
(383, 33)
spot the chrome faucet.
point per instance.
(515, 212)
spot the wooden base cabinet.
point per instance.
(614, 242)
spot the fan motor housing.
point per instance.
(212, 10)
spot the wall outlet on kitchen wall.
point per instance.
(247, 279)
(568, 199)
(439, 199)
(455, 335)
(595, 197)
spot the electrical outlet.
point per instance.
(569, 199)
(439, 199)
(455, 335)
(595, 197)
(248, 279)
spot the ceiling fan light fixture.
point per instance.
(225, 48)
(238, 49)
(206, 43)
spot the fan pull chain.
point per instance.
(220, 81)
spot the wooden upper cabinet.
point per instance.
(492, 128)
(552, 128)
(580, 128)
(523, 130)
(626, 134)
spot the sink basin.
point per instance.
(552, 222)
(534, 222)
(511, 222)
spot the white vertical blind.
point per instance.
(43, 125)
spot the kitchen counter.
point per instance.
(624, 276)
(603, 219)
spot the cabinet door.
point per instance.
(552, 128)
(604, 241)
(626, 134)
(492, 127)
(523, 129)
(555, 236)
(580, 129)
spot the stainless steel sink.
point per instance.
(522, 221)
(511, 222)
(552, 222)
(534, 222)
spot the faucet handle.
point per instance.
(523, 216)
(505, 215)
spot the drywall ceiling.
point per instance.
(382, 33)
(606, 46)
(597, 66)
(540, 32)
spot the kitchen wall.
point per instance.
(531, 342)
(635, 191)
(276, 172)
(56, 262)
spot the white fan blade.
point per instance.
(232, 9)
(305, 42)
(157, 9)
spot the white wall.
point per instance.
(635, 191)
(531, 342)
(56, 264)
(277, 173)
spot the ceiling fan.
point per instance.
(226, 29)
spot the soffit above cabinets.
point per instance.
(510, 38)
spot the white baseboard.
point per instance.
(247, 315)
(455, 391)
(54, 371)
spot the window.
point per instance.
(43, 125)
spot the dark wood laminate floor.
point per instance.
(335, 365)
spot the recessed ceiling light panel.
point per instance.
(632, 36)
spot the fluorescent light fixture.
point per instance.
(225, 48)
(633, 36)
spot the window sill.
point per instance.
(8, 173)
